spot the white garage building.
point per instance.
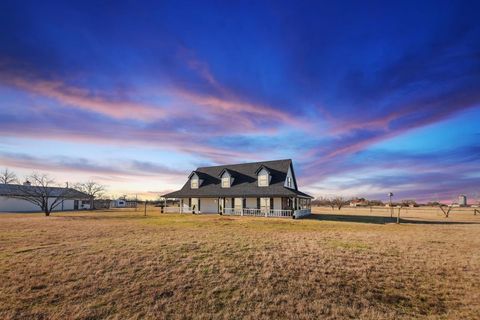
(10, 200)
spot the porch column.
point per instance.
(221, 205)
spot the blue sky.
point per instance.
(365, 97)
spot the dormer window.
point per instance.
(263, 176)
(263, 180)
(194, 183)
(225, 182)
(194, 180)
(226, 178)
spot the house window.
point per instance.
(263, 180)
(264, 203)
(194, 183)
(226, 182)
(289, 182)
(238, 203)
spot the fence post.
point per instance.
(398, 216)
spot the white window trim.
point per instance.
(266, 180)
(197, 181)
(226, 175)
(226, 179)
(265, 203)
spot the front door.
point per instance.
(75, 204)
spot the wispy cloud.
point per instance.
(115, 169)
(86, 99)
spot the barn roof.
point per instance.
(11, 190)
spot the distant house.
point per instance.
(10, 200)
(118, 203)
(123, 203)
(359, 202)
(255, 189)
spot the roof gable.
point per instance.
(225, 170)
(262, 167)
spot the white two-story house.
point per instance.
(255, 189)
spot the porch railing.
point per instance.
(233, 211)
(248, 212)
(178, 209)
(254, 212)
(280, 213)
(257, 212)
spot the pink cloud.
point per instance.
(88, 100)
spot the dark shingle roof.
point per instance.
(21, 190)
(244, 184)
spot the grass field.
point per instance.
(348, 264)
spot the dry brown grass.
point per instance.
(121, 265)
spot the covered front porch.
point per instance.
(294, 207)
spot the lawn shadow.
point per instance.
(350, 218)
(413, 221)
(377, 219)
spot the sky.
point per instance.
(366, 97)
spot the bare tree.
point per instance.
(338, 202)
(321, 201)
(42, 193)
(446, 209)
(376, 203)
(404, 203)
(93, 189)
(7, 177)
